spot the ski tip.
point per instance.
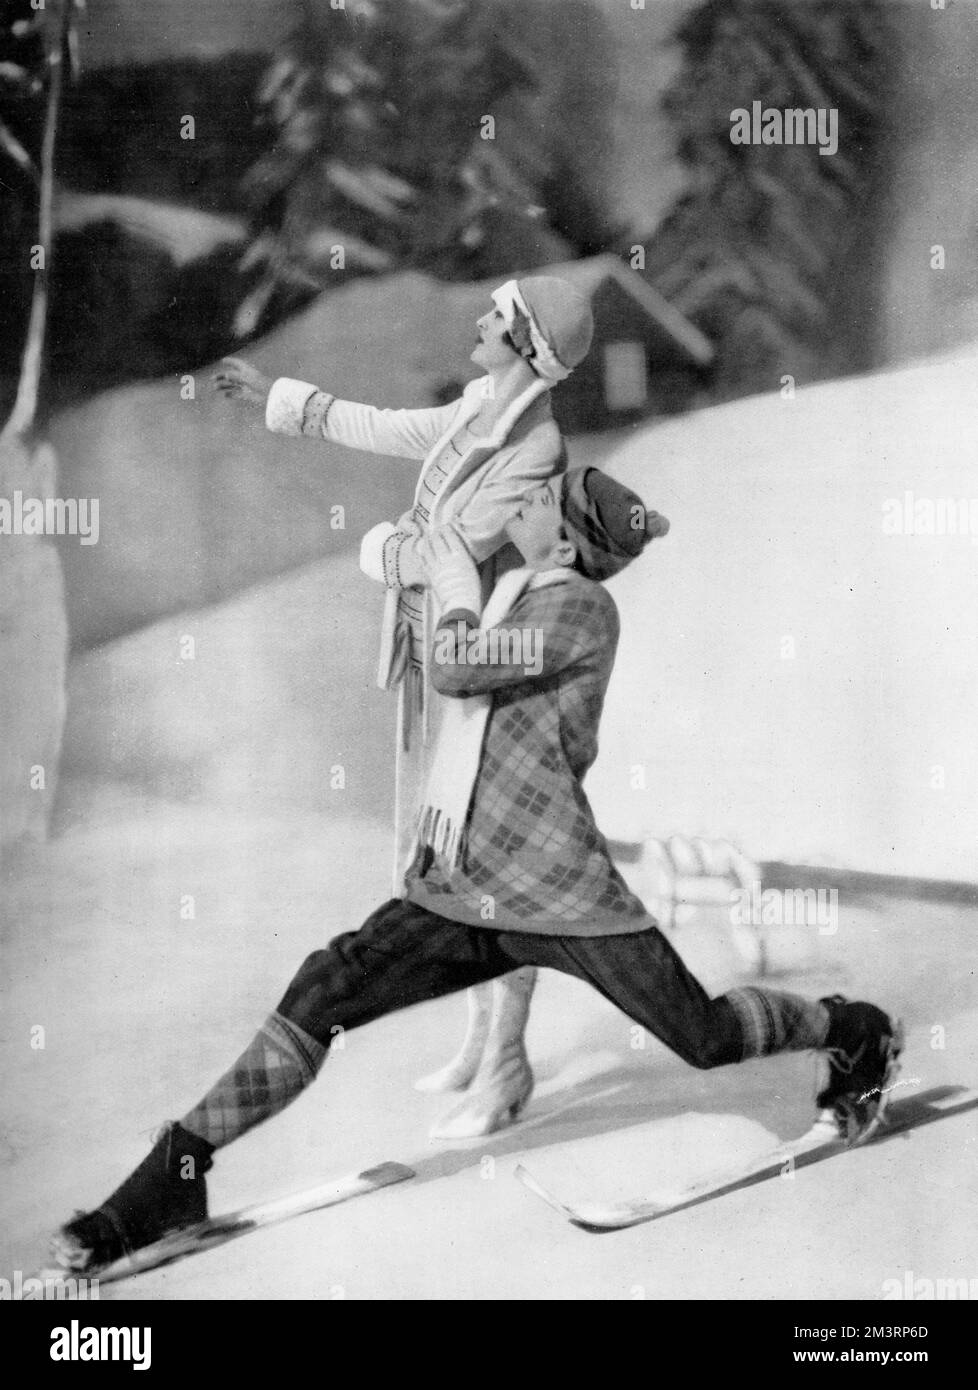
(386, 1173)
(526, 1177)
(594, 1220)
(528, 1180)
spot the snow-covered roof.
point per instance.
(590, 274)
(186, 234)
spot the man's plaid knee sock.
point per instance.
(772, 1021)
(280, 1061)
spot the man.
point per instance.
(509, 870)
(479, 456)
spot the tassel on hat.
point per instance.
(609, 524)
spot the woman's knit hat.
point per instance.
(549, 321)
(609, 524)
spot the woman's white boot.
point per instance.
(502, 1082)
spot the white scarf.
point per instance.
(457, 753)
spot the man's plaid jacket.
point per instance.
(533, 858)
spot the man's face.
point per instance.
(493, 351)
(536, 527)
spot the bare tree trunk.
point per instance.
(32, 365)
(33, 620)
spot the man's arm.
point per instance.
(548, 631)
(480, 527)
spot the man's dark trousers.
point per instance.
(405, 954)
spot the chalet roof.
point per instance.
(686, 342)
(590, 274)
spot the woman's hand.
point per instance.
(239, 381)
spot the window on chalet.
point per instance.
(625, 377)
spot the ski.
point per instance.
(822, 1141)
(218, 1230)
(619, 1215)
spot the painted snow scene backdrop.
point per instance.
(196, 782)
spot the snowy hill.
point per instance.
(777, 514)
(789, 674)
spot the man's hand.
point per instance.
(239, 381)
(452, 573)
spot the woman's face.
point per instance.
(493, 351)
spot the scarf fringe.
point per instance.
(456, 756)
(437, 830)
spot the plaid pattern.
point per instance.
(532, 851)
(281, 1060)
(772, 1021)
(600, 553)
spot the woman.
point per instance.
(480, 455)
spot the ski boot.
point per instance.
(862, 1047)
(165, 1193)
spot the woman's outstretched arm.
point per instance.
(300, 408)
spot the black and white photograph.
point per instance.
(489, 659)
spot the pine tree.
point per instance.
(755, 251)
(386, 145)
